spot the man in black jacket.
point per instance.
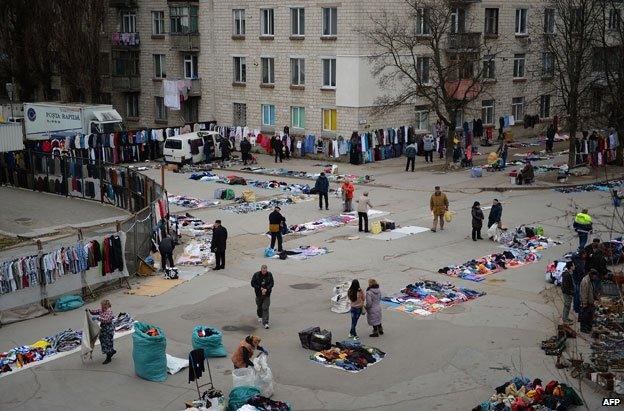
(217, 246)
(322, 187)
(165, 248)
(245, 147)
(278, 146)
(567, 289)
(262, 283)
(276, 221)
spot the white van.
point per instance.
(190, 148)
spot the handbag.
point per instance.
(448, 216)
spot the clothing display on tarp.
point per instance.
(303, 252)
(243, 207)
(304, 174)
(349, 356)
(428, 297)
(198, 250)
(190, 202)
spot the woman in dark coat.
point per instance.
(373, 307)
(477, 221)
(496, 212)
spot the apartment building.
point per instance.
(304, 64)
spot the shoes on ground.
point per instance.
(266, 326)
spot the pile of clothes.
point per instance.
(243, 207)
(205, 176)
(523, 394)
(349, 355)
(428, 297)
(197, 250)
(303, 252)
(591, 187)
(280, 185)
(261, 403)
(190, 202)
(322, 224)
(312, 176)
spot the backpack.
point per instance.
(228, 194)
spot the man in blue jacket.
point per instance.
(322, 187)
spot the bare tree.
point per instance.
(577, 26)
(424, 52)
(609, 66)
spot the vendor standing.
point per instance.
(244, 353)
(583, 226)
(586, 316)
(276, 221)
(218, 244)
(348, 190)
(245, 147)
(107, 329)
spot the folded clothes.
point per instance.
(428, 297)
(349, 356)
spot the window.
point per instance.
(489, 67)
(160, 112)
(160, 64)
(329, 119)
(173, 143)
(545, 106)
(128, 23)
(422, 118)
(297, 17)
(518, 68)
(329, 73)
(297, 117)
(125, 63)
(549, 21)
(239, 114)
(267, 22)
(459, 119)
(517, 108)
(330, 21)
(491, 21)
(548, 64)
(268, 115)
(614, 19)
(297, 72)
(183, 19)
(190, 110)
(458, 20)
(132, 105)
(268, 70)
(190, 66)
(158, 22)
(521, 22)
(487, 111)
(422, 69)
(104, 63)
(422, 22)
(240, 70)
(239, 22)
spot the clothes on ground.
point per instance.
(348, 355)
(261, 403)
(190, 202)
(198, 250)
(591, 187)
(312, 176)
(243, 207)
(303, 252)
(330, 222)
(427, 297)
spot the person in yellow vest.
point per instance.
(244, 353)
(583, 226)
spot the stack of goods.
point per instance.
(303, 252)
(591, 187)
(149, 345)
(349, 355)
(190, 202)
(261, 403)
(428, 297)
(312, 176)
(522, 394)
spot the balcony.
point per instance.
(195, 89)
(185, 42)
(464, 42)
(464, 2)
(123, 4)
(126, 83)
(463, 89)
(119, 39)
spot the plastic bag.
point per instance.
(244, 377)
(375, 227)
(269, 252)
(339, 302)
(149, 353)
(539, 230)
(175, 364)
(240, 395)
(212, 345)
(249, 196)
(448, 216)
(68, 302)
(264, 376)
(492, 231)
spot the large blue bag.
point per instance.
(68, 302)
(212, 346)
(149, 353)
(240, 395)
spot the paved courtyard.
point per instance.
(451, 360)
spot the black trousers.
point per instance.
(321, 197)
(476, 233)
(429, 156)
(364, 217)
(278, 154)
(412, 161)
(277, 236)
(166, 257)
(220, 258)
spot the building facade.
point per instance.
(306, 64)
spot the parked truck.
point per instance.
(43, 120)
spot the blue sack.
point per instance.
(212, 345)
(269, 252)
(149, 353)
(240, 395)
(68, 303)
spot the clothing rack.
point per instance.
(196, 378)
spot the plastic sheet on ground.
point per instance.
(303, 252)
(175, 364)
(427, 297)
(349, 356)
(399, 233)
(331, 222)
(245, 207)
(312, 176)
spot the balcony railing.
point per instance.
(185, 42)
(125, 39)
(464, 41)
(195, 89)
(125, 83)
(123, 4)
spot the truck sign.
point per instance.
(40, 121)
